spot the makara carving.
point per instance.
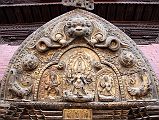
(20, 86)
(79, 57)
(139, 84)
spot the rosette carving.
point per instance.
(127, 59)
(30, 62)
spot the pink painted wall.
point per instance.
(150, 51)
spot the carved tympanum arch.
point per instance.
(79, 57)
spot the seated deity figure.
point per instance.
(105, 86)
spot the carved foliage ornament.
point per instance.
(79, 57)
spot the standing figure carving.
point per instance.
(52, 85)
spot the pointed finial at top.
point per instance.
(88, 4)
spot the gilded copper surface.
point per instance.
(77, 114)
(79, 59)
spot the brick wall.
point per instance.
(150, 51)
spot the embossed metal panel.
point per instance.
(77, 114)
(77, 62)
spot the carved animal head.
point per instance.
(78, 27)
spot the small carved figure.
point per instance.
(30, 62)
(127, 59)
(61, 65)
(78, 92)
(52, 85)
(78, 84)
(97, 65)
(19, 87)
(105, 86)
